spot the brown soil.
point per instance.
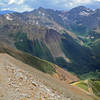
(19, 81)
(64, 75)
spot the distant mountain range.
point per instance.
(78, 20)
(6, 12)
(70, 39)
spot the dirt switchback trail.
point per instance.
(19, 81)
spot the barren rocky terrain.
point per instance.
(19, 81)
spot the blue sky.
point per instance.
(28, 5)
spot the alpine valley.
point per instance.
(46, 39)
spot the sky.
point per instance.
(29, 5)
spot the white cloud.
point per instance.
(79, 2)
(19, 9)
(3, 9)
(15, 2)
(22, 5)
(11, 1)
(23, 8)
(82, 1)
(20, 2)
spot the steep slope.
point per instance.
(45, 17)
(48, 44)
(30, 32)
(39, 64)
(20, 81)
(92, 41)
(42, 65)
(79, 20)
(82, 20)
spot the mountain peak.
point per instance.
(41, 9)
(80, 8)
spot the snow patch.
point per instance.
(43, 14)
(84, 13)
(8, 17)
(37, 22)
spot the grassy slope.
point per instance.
(35, 48)
(83, 86)
(81, 57)
(90, 75)
(96, 47)
(42, 65)
(95, 85)
(91, 84)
